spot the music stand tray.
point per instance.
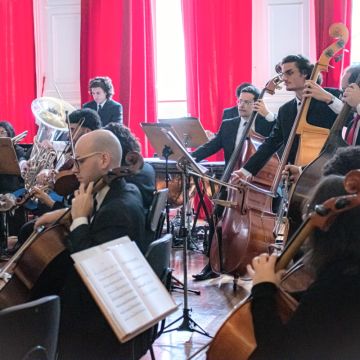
(9, 164)
(157, 135)
(189, 130)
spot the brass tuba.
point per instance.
(50, 114)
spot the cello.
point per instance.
(236, 338)
(232, 232)
(40, 265)
(312, 172)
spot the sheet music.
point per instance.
(144, 279)
(116, 291)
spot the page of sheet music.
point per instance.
(142, 276)
(116, 291)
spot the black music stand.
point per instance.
(163, 147)
(189, 131)
(185, 162)
(8, 166)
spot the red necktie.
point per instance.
(350, 136)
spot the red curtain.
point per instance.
(17, 65)
(328, 12)
(218, 55)
(117, 41)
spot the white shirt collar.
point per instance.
(100, 196)
(102, 104)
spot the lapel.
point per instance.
(233, 130)
(115, 189)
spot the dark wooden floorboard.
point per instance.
(209, 309)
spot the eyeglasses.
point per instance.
(80, 160)
(245, 102)
(288, 73)
(3, 132)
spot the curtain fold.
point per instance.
(218, 38)
(328, 12)
(117, 41)
(17, 65)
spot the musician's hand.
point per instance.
(291, 172)
(46, 144)
(314, 90)
(49, 218)
(83, 202)
(210, 135)
(43, 177)
(43, 197)
(239, 175)
(261, 108)
(352, 95)
(262, 269)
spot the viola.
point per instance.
(235, 338)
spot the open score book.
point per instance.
(124, 286)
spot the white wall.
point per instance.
(280, 28)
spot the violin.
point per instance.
(236, 338)
(40, 265)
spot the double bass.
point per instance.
(231, 241)
(236, 338)
(313, 172)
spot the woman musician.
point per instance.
(326, 323)
(8, 184)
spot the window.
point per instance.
(171, 77)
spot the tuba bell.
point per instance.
(50, 115)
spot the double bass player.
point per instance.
(229, 135)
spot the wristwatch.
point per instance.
(332, 100)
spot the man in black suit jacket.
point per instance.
(115, 211)
(229, 132)
(233, 111)
(102, 90)
(227, 138)
(296, 70)
(144, 179)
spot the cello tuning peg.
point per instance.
(321, 210)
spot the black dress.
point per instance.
(326, 325)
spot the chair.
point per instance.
(30, 331)
(158, 256)
(156, 216)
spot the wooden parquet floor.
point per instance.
(208, 310)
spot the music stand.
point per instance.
(189, 130)
(9, 163)
(185, 161)
(8, 166)
(163, 147)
